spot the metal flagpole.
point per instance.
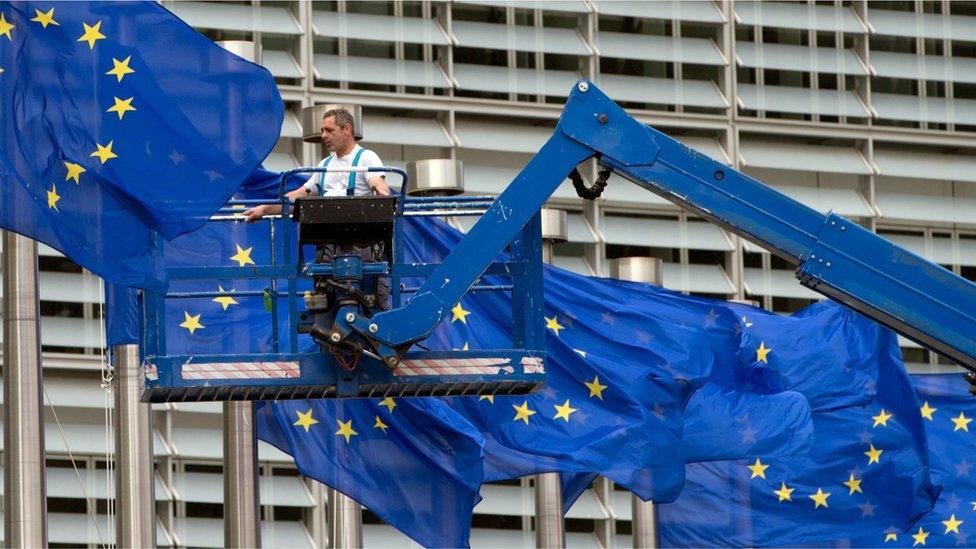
(644, 515)
(550, 528)
(345, 521)
(242, 524)
(24, 496)
(136, 522)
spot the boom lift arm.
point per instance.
(836, 257)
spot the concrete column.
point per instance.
(24, 496)
(135, 524)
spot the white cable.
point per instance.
(88, 501)
(108, 378)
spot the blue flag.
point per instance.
(119, 119)
(947, 411)
(414, 462)
(623, 361)
(868, 467)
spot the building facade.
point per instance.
(864, 108)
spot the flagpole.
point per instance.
(643, 513)
(135, 491)
(550, 528)
(345, 521)
(242, 524)
(24, 496)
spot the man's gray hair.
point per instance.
(342, 117)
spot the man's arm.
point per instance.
(379, 186)
(376, 181)
(253, 214)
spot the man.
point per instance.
(338, 129)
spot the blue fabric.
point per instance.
(944, 398)
(122, 324)
(854, 374)
(418, 466)
(420, 474)
(179, 145)
(651, 348)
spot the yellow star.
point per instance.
(920, 537)
(882, 418)
(784, 492)
(459, 313)
(243, 256)
(522, 412)
(952, 525)
(758, 469)
(553, 324)
(53, 197)
(874, 455)
(563, 411)
(45, 19)
(224, 300)
(580, 353)
(927, 411)
(6, 27)
(346, 430)
(891, 536)
(91, 34)
(305, 420)
(489, 398)
(191, 323)
(854, 484)
(1, 70)
(388, 402)
(962, 422)
(380, 425)
(120, 68)
(820, 498)
(74, 171)
(104, 153)
(761, 352)
(596, 390)
(122, 106)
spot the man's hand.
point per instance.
(253, 214)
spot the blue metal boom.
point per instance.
(836, 257)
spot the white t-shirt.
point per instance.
(336, 183)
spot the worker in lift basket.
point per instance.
(338, 130)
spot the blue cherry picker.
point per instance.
(365, 350)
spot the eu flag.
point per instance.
(414, 462)
(867, 470)
(118, 120)
(947, 411)
(624, 361)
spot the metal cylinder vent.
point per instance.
(435, 177)
(312, 121)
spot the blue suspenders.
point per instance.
(351, 185)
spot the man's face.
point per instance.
(334, 137)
